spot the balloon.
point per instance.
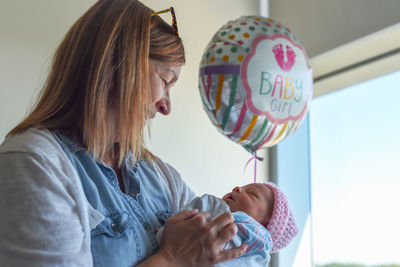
(255, 82)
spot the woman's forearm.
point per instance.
(157, 260)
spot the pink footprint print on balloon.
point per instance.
(280, 57)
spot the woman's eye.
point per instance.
(164, 82)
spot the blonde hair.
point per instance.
(99, 79)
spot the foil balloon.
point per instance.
(255, 82)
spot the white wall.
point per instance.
(207, 160)
(30, 32)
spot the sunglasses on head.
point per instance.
(174, 25)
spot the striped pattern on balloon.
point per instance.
(255, 82)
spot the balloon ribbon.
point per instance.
(255, 158)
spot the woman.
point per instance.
(79, 187)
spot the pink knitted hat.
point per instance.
(282, 225)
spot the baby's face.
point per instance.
(256, 200)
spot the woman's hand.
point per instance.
(192, 239)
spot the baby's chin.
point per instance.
(229, 202)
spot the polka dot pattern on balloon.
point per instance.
(237, 35)
(223, 74)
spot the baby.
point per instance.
(262, 215)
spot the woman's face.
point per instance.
(162, 77)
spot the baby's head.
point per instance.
(268, 205)
(257, 200)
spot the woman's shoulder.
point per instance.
(166, 172)
(32, 140)
(179, 192)
(33, 146)
(41, 190)
(164, 167)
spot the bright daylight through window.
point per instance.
(355, 157)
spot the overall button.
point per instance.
(114, 227)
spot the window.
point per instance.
(355, 174)
(339, 168)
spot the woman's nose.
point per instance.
(164, 106)
(237, 189)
